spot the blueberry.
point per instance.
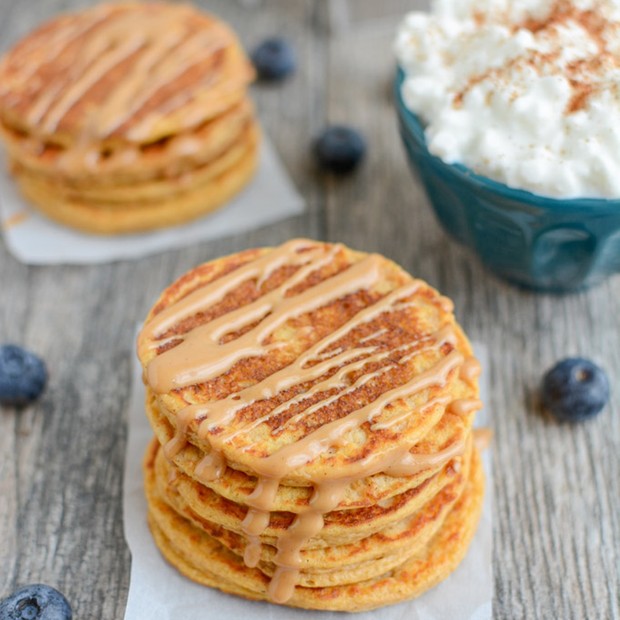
(22, 375)
(274, 59)
(340, 148)
(35, 602)
(575, 389)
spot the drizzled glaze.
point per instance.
(203, 353)
(482, 438)
(14, 220)
(121, 70)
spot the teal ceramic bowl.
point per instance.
(547, 244)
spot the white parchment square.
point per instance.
(35, 240)
(158, 592)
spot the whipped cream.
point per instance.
(525, 92)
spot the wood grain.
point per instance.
(557, 488)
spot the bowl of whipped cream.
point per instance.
(510, 116)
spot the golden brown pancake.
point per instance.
(202, 558)
(122, 72)
(237, 485)
(105, 218)
(335, 564)
(313, 410)
(132, 163)
(126, 196)
(343, 306)
(138, 106)
(341, 526)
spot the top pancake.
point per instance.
(122, 72)
(306, 363)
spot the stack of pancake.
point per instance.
(312, 409)
(128, 117)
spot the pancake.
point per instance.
(131, 195)
(323, 565)
(203, 559)
(122, 72)
(130, 162)
(340, 526)
(105, 218)
(238, 486)
(312, 407)
(138, 107)
(350, 307)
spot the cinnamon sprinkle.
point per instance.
(579, 72)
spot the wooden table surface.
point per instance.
(557, 488)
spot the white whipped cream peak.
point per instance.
(525, 92)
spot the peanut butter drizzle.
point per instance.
(200, 356)
(446, 304)
(256, 521)
(470, 371)
(465, 406)
(221, 413)
(210, 467)
(106, 58)
(336, 381)
(15, 220)
(216, 290)
(167, 52)
(482, 438)
(252, 553)
(61, 39)
(132, 94)
(157, 46)
(339, 381)
(295, 455)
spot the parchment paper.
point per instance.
(158, 592)
(35, 240)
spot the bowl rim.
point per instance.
(415, 129)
